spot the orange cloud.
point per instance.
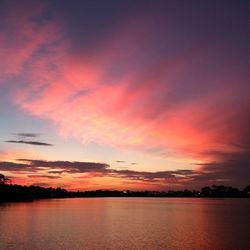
(124, 94)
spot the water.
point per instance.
(126, 223)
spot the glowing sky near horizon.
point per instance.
(125, 94)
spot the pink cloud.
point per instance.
(22, 37)
(122, 95)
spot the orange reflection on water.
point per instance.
(126, 223)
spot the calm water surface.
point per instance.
(126, 223)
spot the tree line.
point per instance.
(13, 192)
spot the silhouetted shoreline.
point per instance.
(12, 192)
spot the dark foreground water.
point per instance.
(126, 223)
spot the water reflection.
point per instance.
(126, 223)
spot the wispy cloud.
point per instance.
(210, 173)
(45, 176)
(24, 138)
(40, 184)
(68, 166)
(35, 143)
(168, 106)
(139, 87)
(17, 167)
(32, 135)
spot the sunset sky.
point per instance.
(125, 94)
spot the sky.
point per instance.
(135, 94)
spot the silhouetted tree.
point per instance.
(10, 192)
(206, 191)
(3, 179)
(247, 190)
(232, 191)
(219, 191)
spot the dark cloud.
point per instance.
(29, 135)
(17, 167)
(40, 184)
(24, 138)
(60, 167)
(45, 176)
(53, 167)
(231, 169)
(152, 176)
(231, 166)
(68, 166)
(210, 172)
(56, 172)
(36, 143)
